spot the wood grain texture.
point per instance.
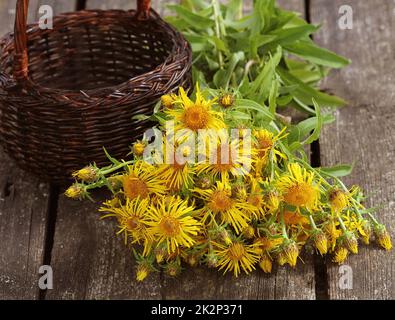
(370, 45)
(23, 216)
(364, 131)
(90, 261)
(23, 204)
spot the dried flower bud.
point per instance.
(226, 100)
(225, 237)
(204, 182)
(383, 238)
(341, 255)
(321, 242)
(281, 259)
(173, 269)
(160, 254)
(192, 259)
(366, 231)
(266, 264)
(249, 232)
(88, 174)
(239, 192)
(291, 253)
(143, 270)
(76, 191)
(351, 242)
(212, 260)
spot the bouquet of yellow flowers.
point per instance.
(224, 182)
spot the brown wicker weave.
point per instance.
(68, 92)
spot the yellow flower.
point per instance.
(321, 242)
(220, 203)
(291, 253)
(333, 233)
(236, 257)
(351, 242)
(340, 255)
(195, 115)
(294, 218)
(298, 187)
(168, 100)
(170, 221)
(138, 148)
(141, 181)
(132, 219)
(226, 158)
(226, 100)
(338, 200)
(383, 238)
(266, 264)
(268, 244)
(76, 191)
(264, 143)
(88, 174)
(143, 270)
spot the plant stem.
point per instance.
(218, 33)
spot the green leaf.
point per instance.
(305, 93)
(252, 105)
(311, 52)
(340, 170)
(290, 35)
(194, 20)
(316, 132)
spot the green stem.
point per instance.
(217, 17)
(341, 223)
(123, 164)
(312, 222)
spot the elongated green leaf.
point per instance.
(290, 35)
(252, 105)
(193, 19)
(311, 52)
(306, 93)
(341, 170)
(317, 130)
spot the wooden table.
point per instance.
(39, 226)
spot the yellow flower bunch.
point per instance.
(225, 198)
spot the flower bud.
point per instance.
(88, 174)
(266, 264)
(383, 238)
(226, 100)
(341, 255)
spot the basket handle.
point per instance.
(21, 59)
(21, 62)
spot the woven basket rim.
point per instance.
(111, 91)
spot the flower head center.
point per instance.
(220, 202)
(170, 226)
(196, 117)
(135, 187)
(236, 251)
(301, 194)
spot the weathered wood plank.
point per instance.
(364, 130)
(23, 209)
(90, 261)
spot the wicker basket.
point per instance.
(68, 92)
